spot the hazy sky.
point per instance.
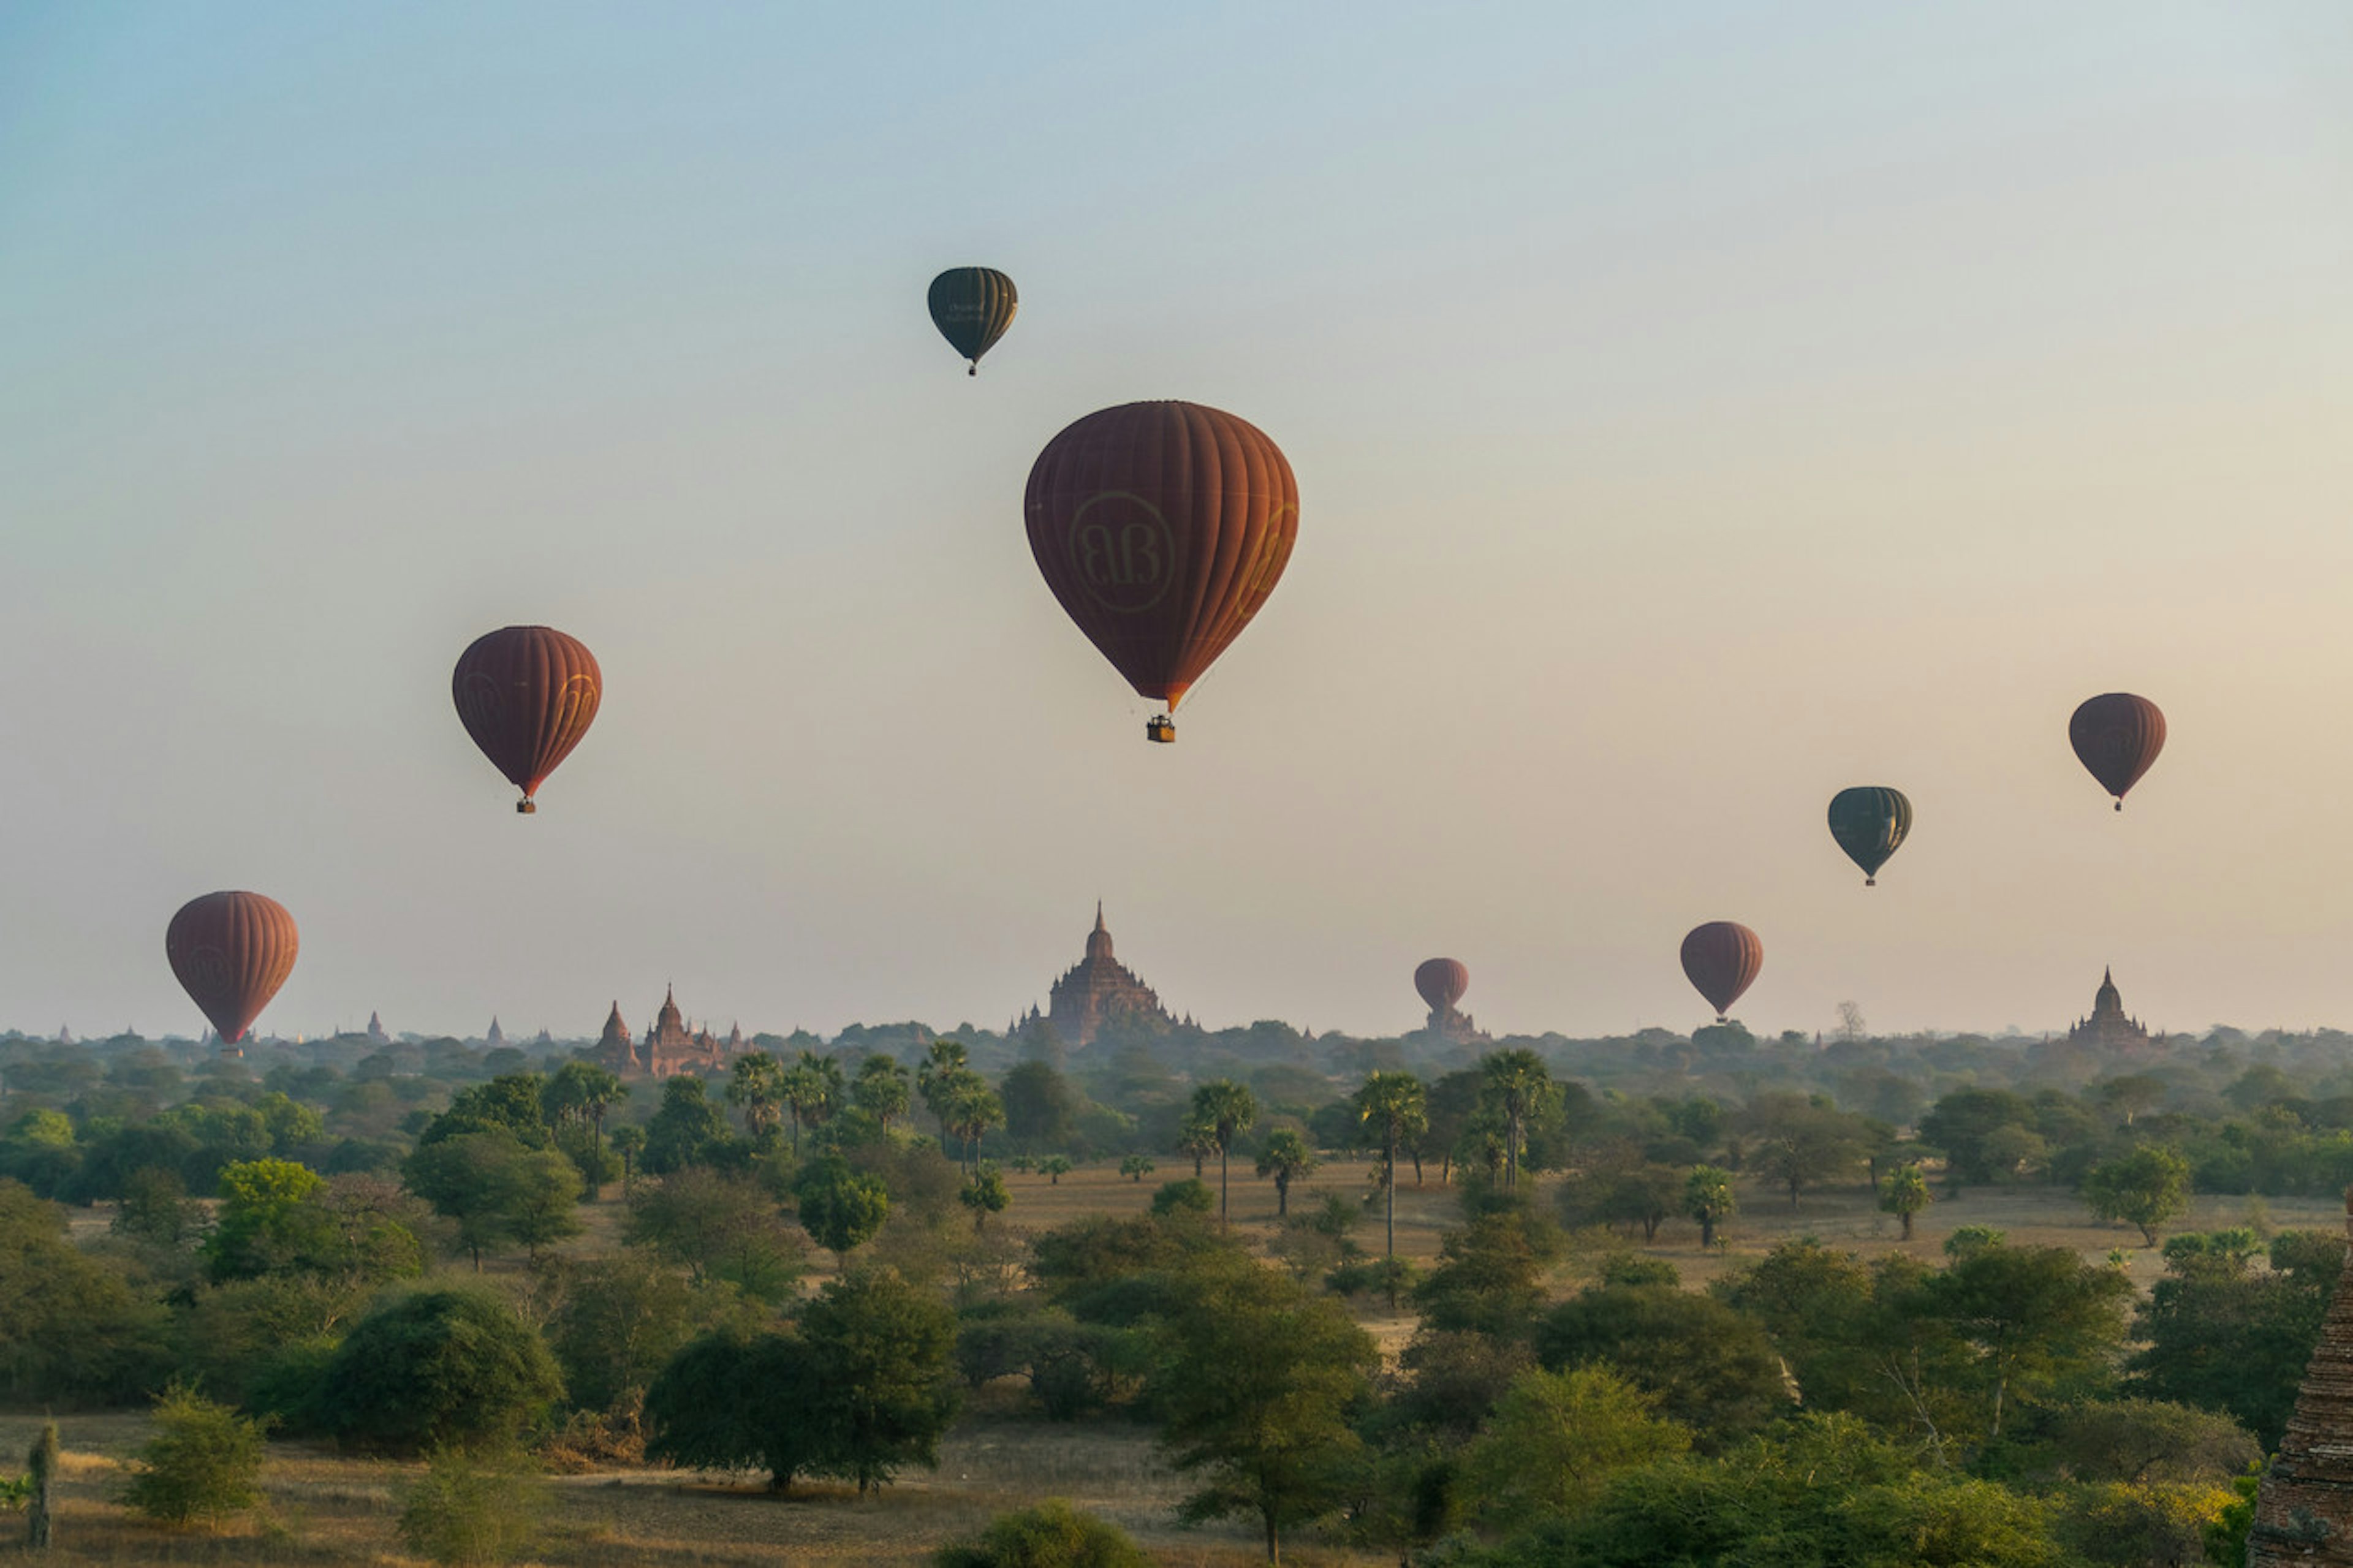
(1696, 409)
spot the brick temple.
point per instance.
(668, 1048)
(1096, 992)
(2304, 1514)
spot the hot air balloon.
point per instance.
(1721, 960)
(972, 306)
(1441, 982)
(1161, 527)
(2116, 736)
(231, 952)
(527, 695)
(1869, 821)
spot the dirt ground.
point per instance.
(324, 1508)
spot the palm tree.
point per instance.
(882, 1090)
(1393, 1106)
(756, 1087)
(1285, 1157)
(1196, 1138)
(811, 1090)
(628, 1143)
(1225, 1107)
(1515, 1084)
(583, 1091)
(972, 1110)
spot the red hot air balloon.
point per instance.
(2116, 736)
(1721, 960)
(231, 952)
(527, 695)
(1441, 982)
(1161, 527)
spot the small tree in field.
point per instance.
(1051, 1535)
(470, 1514)
(1056, 1167)
(1135, 1167)
(2145, 1188)
(1707, 1198)
(204, 1461)
(839, 1207)
(985, 1195)
(1906, 1195)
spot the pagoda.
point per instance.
(2303, 1512)
(2108, 1029)
(1097, 992)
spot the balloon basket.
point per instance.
(1162, 728)
(526, 807)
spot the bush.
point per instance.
(1051, 1535)
(438, 1369)
(1189, 1196)
(204, 1461)
(467, 1513)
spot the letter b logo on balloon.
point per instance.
(1123, 550)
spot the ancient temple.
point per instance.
(669, 1046)
(496, 1037)
(1097, 992)
(1452, 1024)
(2107, 1029)
(376, 1031)
(2304, 1514)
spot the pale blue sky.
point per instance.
(1695, 409)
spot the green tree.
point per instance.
(2220, 1334)
(1555, 1439)
(1226, 1108)
(69, 1329)
(881, 1090)
(1390, 1106)
(1516, 1085)
(2146, 1188)
(472, 1511)
(728, 1401)
(884, 1353)
(1196, 1139)
(686, 1129)
(1256, 1380)
(620, 1320)
(1803, 1143)
(581, 1094)
(511, 1102)
(204, 1461)
(542, 1201)
(840, 1208)
(1041, 1108)
(755, 1086)
(2037, 1317)
(257, 1226)
(812, 1090)
(718, 1226)
(1490, 1274)
(628, 1143)
(1135, 1167)
(985, 1193)
(438, 1368)
(1286, 1157)
(1709, 1367)
(1053, 1534)
(1055, 1166)
(1906, 1195)
(1709, 1198)
(472, 1179)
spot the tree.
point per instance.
(1516, 1085)
(1907, 1194)
(1053, 1534)
(718, 1226)
(256, 1226)
(1709, 1198)
(969, 1110)
(1135, 1167)
(1709, 1367)
(755, 1086)
(2146, 1187)
(544, 1200)
(728, 1401)
(881, 1090)
(1041, 1109)
(1801, 1143)
(1490, 1274)
(1390, 1106)
(465, 1511)
(581, 1094)
(438, 1368)
(1286, 1157)
(1255, 1383)
(2037, 1317)
(473, 1179)
(68, 1328)
(812, 1090)
(1557, 1436)
(841, 1208)
(628, 1143)
(620, 1320)
(2222, 1335)
(1056, 1166)
(686, 1129)
(1226, 1108)
(985, 1195)
(1196, 1139)
(1964, 1124)
(204, 1461)
(883, 1351)
(510, 1103)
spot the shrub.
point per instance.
(204, 1461)
(468, 1514)
(1051, 1535)
(439, 1368)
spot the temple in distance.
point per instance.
(1096, 992)
(669, 1047)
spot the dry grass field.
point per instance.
(326, 1508)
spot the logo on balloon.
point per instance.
(1122, 550)
(207, 973)
(577, 703)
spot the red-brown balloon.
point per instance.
(1441, 982)
(1721, 959)
(231, 952)
(527, 695)
(2116, 736)
(1161, 527)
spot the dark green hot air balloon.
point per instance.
(1869, 821)
(972, 306)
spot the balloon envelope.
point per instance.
(1870, 822)
(231, 951)
(1441, 982)
(1721, 959)
(972, 306)
(2116, 736)
(527, 695)
(1161, 528)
